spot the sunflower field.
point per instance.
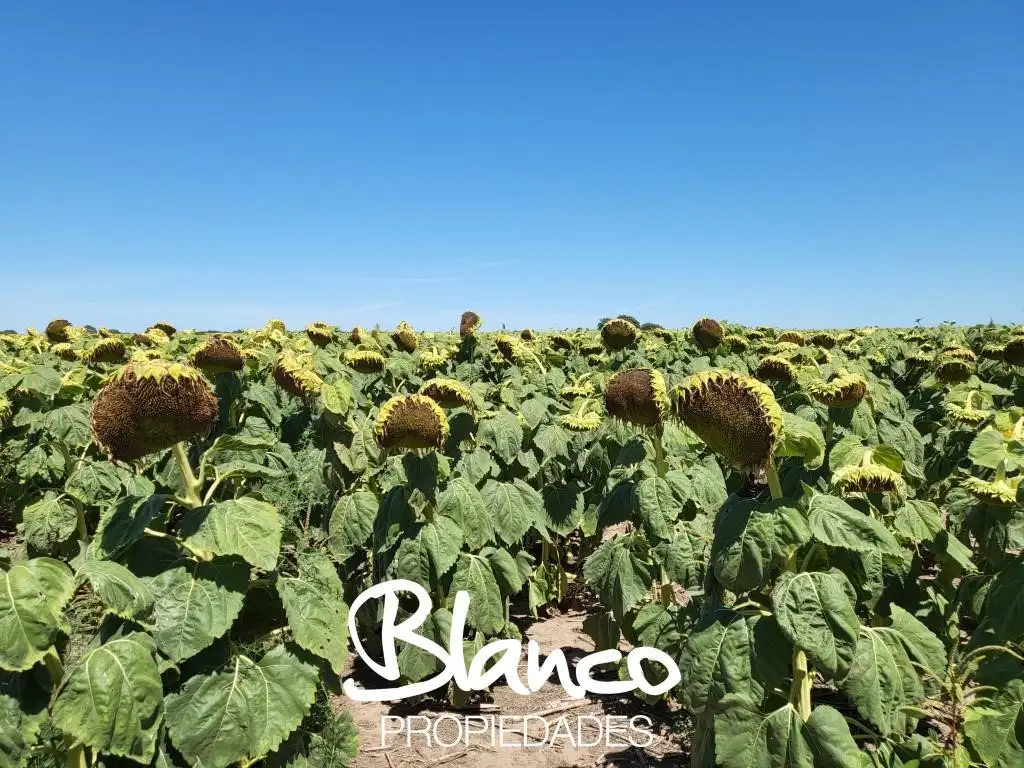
(823, 527)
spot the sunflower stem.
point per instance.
(199, 554)
(660, 462)
(800, 692)
(773, 480)
(192, 485)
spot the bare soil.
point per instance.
(669, 735)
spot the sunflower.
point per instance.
(843, 391)
(469, 323)
(320, 334)
(295, 378)
(217, 355)
(637, 396)
(365, 361)
(448, 393)
(410, 422)
(619, 333)
(707, 333)
(405, 337)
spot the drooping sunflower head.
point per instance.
(966, 415)
(1013, 352)
(707, 333)
(5, 410)
(168, 329)
(992, 352)
(296, 377)
(107, 350)
(64, 351)
(619, 333)
(583, 388)
(793, 337)
(735, 415)
(405, 337)
(999, 492)
(843, 391)
(320, 334)
(560, 341)
(824, 339)
(589, 347)
(365, 360)
(275, 325)
(585, 416)
(510, 347)
(154, 337)
(870, 478)
(56, 330)
(435, 358)
(448, 393)
(469, 323)
(149, 406)
(357, 335)
(410, 422)
(958, 352)
(952, 370)
(638, 396)
(527, 334)
(919, 359)
(217, 355)
(735, 342)
(775, 368)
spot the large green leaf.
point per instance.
(1004, 605)
(837, 524)
(514, 508)
(563, 507)
(486, 609)
(111, 699)
(94, 482)
(352, 523)
(122, 592)
(49, 522)
(124, 522)
(246, 527)
(23, 711)
(503, 434)
(441, 540)
(553, 441)
(882, 681)
(917, 520)
(416, 664)
(463, 503)
(990, 448)
(657, 506)
(745, 737)
(32, 597)
(996, 727)
(195, 603)
(802, 438)
(815, 613)
(750, 536)
(619, 574)
(243, 713)
(315, 605)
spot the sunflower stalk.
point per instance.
(192, 484)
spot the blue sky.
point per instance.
(800, 164)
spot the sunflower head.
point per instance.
(217, 355)
(588, 347)
(1013, 352)
(57, 330)
(469, 323)
(824, 339)
(736, 342)
(107, 350)
(154, 337)
(320, 334)
(448, 393)
(579, 389)
(707, 333)
(619, 333)
(637, 396)
(920, 359)
(993, 351)
(585, 416)
(357, 335)
(405, 337)
(869, 478)
(275, 325)
(527, 334)
(560, 341)
(410, 422)
(843, 391)
(434, 358)
(365, 360)
(775, 368)
(999, 493)
(295, 378)
(5, 410)
(735, 415)
(510, 347)
(149, 406)
(793, 337)
(966, 415)
(952, 370)
(64, 351)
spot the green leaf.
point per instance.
(619, 505)
(996, 729)
(505, 568)
(619, 575)
(195, 603)
(553, 441)
(677, 558)
(477, 465)
(337, 396)
(124, 523)
(416, 664)
(849, 451)
(563, 507)
(94, 482)
(246, 527)
(315, 605)
(241, 714)
(882, 681)
(917, 520)
(803, 438)
(990, 448)
(20, 721)
(815, 613)
(603, 630)
(837, 524)
(657, 506)
(412, 562)
(728, 653)
(463, 503)
(441, 539)
(111, 699)
(502, 433)
(121, 591)
(351, 523)
(751, 536)
(486, 609)
(49, 522)
(920, 642)
(747, 738)
(514, 508)
(68, 424)
(32, 598)
(1004, 605)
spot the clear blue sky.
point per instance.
(216, 164)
